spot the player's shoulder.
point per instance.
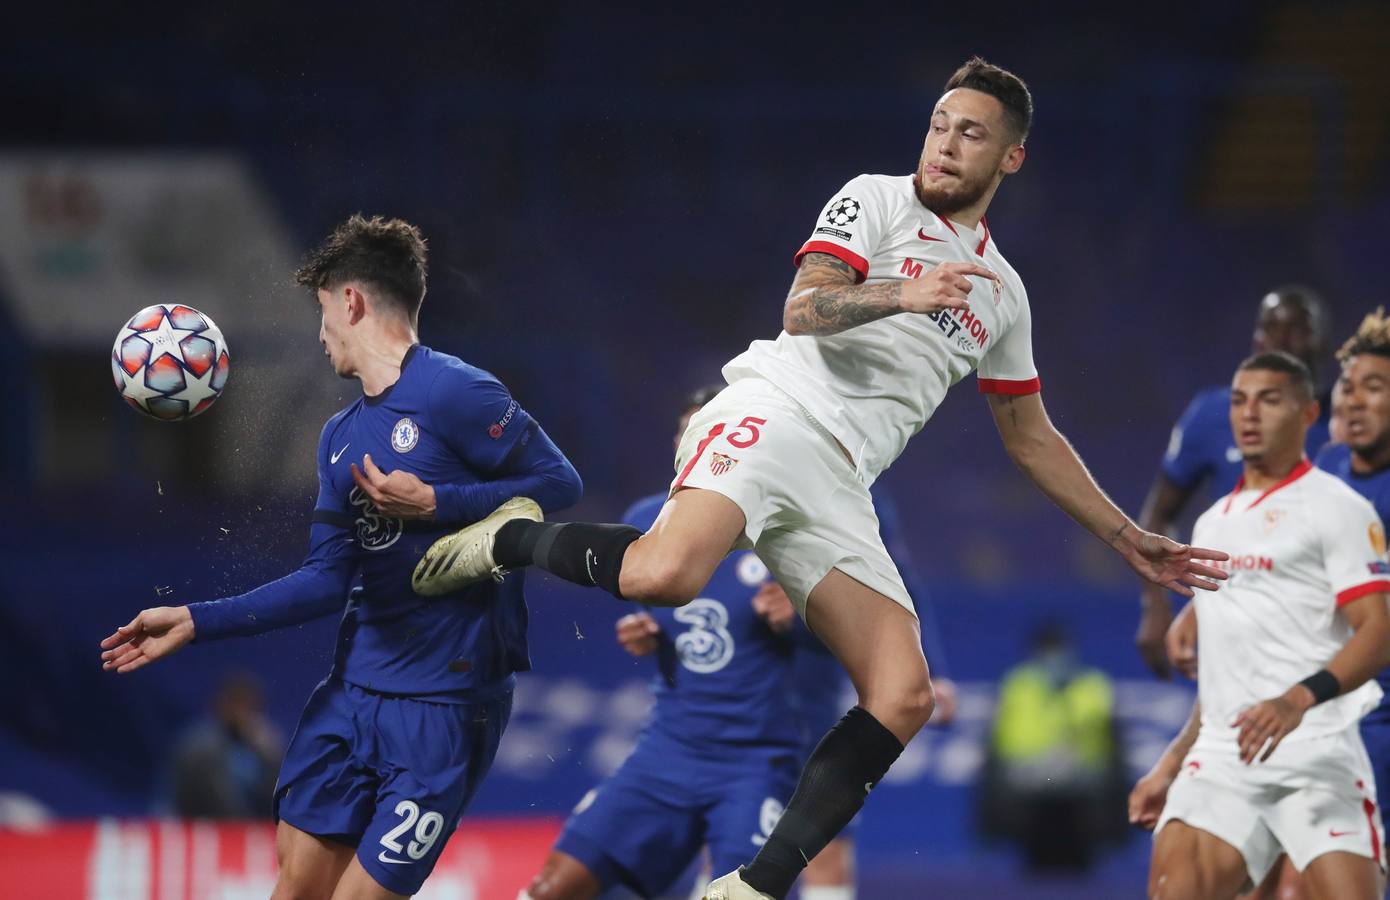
(444, 372)
(1334, 458)
(1326, 489)
(883, 191)
(335, 421)
(643, 513)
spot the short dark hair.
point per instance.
(1002, 85)
(700, 396)
(388, 254)
(1372, 336)
(1278, 361)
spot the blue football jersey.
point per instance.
(1375, 487)
(724, 680)
(446, 422)
(1202, 447)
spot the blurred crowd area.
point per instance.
(612, 198)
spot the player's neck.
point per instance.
(1263, 474)
(380, 363)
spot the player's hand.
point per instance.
(945, 711)
(399, 495)
(774, 606)
(1165, 562)
(943, 287)
(1154, 619)
(1147, 798)
(1270, 721)
(637, 633)
(1181, 642)
(153, 634)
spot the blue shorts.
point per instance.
(1375, 734)
(643, 825)
(388, 774)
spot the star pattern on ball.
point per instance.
(165, 340)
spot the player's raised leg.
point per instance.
(1334, 876)
(876, 639)
(1192, 864)
(310, 866)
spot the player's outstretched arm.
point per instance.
(1151, 792)
(1046, 457)
(1265, 724)
(824, 298)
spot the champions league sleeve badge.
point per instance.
(405, 435)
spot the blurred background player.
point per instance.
(1271, 760)
(1055, 779)
(718, 759)
(224, 766)
(394, 742)
(1201, 452)
(782, 460)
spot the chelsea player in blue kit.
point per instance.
(1201, 451)
(723, 668)
(394, 742)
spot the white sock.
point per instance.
(827, 892)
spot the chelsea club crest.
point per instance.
(405, 435)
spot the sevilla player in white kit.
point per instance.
(1272, 760)
(902, 292)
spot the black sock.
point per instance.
(591, 555)
(845, 765)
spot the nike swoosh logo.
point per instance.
(396, 862)
(921, 233)
(1335, 833)
(333, 460)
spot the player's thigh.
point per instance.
(1191, 864)
(1282, 883)
(310, 866)
(695, 530)
(562, 877)
(879, 643)
(357, 884)
(749, 801)
(1342, 876)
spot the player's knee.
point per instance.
(664, 581)
(918, 703)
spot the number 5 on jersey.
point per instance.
(749, 424)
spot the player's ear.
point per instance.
(1013, 159)
(1311, 410)
(356, 304)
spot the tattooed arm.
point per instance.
(1046, 457)
(825, 300)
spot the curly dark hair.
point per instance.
(1372, 336)
(1002, 85)
(387, 254)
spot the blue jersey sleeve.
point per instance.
(1188, 458)
(890, 529)
(492, 433)
(317, 588)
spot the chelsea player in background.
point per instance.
(394, 742)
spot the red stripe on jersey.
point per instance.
(713, 433)
(1369, 806)
(984, 241)
(1380, 586)
(1303, 468)
(1006, 386)
(844, 255)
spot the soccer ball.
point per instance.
(170, 362)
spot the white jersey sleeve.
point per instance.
(1353, 547)
(851, 225)
(1007, 367)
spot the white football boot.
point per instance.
(465, 557)
(733, 887)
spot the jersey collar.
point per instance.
(1303, 468)
(984, 241)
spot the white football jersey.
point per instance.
(874, 386)
(1299, 552)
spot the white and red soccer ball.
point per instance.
(170, 362)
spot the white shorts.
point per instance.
(1313, 796)
(807, 512)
